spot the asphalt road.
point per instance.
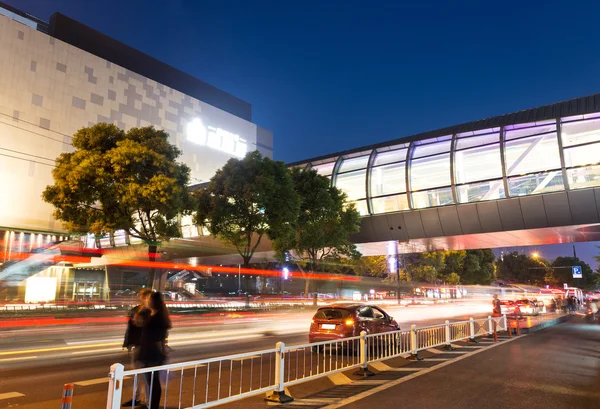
(35, 363)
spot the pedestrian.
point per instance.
(155, 324)
(497, 305)
(131, 341)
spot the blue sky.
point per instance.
(331, 75)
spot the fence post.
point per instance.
(414, 348)
(491, 330)
(278, 395)
(115, 386)
(448, 345)
(495, 331)
(505, 323)
(364, 357)
(472, 330)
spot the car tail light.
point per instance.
(349, 322)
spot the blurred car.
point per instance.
(339, 321)
(510, 308)
(529, 307)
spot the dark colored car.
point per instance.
(339, 321)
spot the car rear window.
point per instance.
(332, 314)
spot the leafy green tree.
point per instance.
(371, 266)
(325, 222)
(116, 180)
(561, 273)
(522, 268)
(246, 200)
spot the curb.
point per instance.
(546, 324)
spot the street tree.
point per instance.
(561, 272)
(246, 200)
(325, 222)
(117, 180)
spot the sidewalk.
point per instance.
(553, 368)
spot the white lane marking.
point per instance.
(22, 358)
(406, 369)
(436, 359)
(311, 401)
(370, 382)
(91, 382)
(96, 381)
(391, 384)
(10, 395)
(94, 351)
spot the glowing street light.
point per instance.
(535, 255)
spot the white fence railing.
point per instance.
(215, 381)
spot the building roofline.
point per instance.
(576, 106)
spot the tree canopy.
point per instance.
(117, 180)
(247, 199)
(325, 221)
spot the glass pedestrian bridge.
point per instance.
(541, 150)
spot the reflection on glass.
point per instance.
(576, 133)
(431, 149)
(463, 143)
(388, 179)
(389, 204)
(354, 163)
(582, 155)
(432, 198)
(430, 172)
(384, 158)
(325, 169)
(535, 184)
(477, 192)
(476, 164)
(515, 131)
(532, 154)
(587, 176)
(353, 184)
(360, 206)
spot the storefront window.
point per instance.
(431, 149)
(522, 130)
(463, 143)
(361, 207)
(354, 164)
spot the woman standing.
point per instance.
(155, 323)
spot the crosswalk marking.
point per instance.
(9, 395)
(436, 359)
(339, 379)
(404, 369)
(380, 366)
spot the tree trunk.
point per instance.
(152, 272)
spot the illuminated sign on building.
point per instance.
(216, 138)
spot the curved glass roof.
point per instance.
(470, 166)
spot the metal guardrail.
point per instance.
(215, 381)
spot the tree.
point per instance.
(247, 199)
(116, 180)
(325, 222)
(561, 273)
(370, 266)
(522, 269)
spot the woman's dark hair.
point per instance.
(158, 304)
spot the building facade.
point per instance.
(58, 77)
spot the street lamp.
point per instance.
(535, 255)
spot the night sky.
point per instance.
(327, 76)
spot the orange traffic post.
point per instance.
(67, 396)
